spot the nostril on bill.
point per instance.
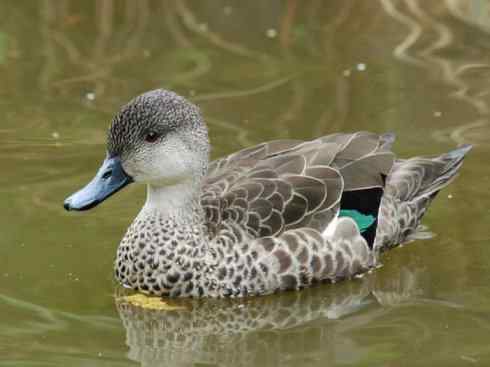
(107, 174)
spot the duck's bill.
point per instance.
(109, 179)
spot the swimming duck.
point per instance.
(281, 215)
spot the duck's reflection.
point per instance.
(282, 329)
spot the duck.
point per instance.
(281, 215)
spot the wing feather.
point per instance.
(288, 184)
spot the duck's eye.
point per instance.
(151, 137)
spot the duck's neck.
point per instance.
(179, 202)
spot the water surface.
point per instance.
(260, 71)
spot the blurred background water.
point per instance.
(259, 70)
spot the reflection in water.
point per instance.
(429, 35)
(274, 328)
(35, 335)
(179, 53)
(473, 12)
(45, 320)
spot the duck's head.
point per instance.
(158, 138)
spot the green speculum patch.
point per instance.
(363, 221)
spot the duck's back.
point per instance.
(287, 184)
(288, 213)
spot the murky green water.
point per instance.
(259, 70)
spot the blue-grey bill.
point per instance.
(109, 179)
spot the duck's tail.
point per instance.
(411, 186)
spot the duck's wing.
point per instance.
(411, 186)
(289, 184)
(364, 162)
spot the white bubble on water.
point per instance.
(271, 33)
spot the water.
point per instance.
(259, 71)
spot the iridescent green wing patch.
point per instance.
(363, 207)
(363, 221)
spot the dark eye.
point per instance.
(151, 137)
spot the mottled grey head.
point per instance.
(160, 137)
